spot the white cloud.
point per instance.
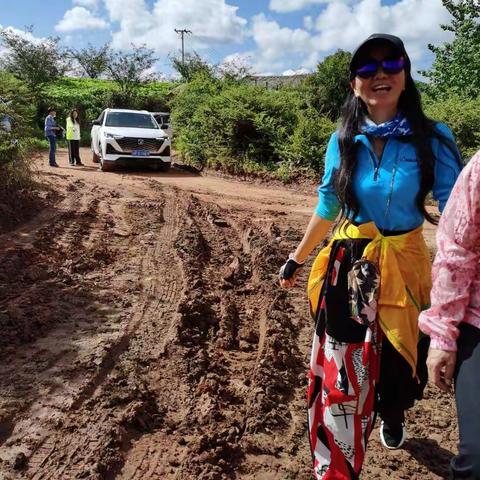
(86, 3)
(299, 71)
(79, 18)
(292, 5)
(275, 44)
(308, 22)
(212, 22)
(416, 22)
(343, 25)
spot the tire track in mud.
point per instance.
(198, 371)
(87, 446)
(31, 380)
(22, 251)
(226, 354)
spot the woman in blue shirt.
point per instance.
(368, 285)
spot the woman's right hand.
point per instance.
(288, 272)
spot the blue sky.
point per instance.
(270, 36)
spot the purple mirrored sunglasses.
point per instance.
(389, 66)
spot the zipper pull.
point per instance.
(375, 174)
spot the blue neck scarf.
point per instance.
(398, 126)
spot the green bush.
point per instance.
(243, 128)
(250, 124)
(327, 89)
(309, 141)
(463, 117)
(16, 105)
(190, 135)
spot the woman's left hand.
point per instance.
(441, 366)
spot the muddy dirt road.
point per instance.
(143, 336)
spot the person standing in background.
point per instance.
(73, 138)
(51, 131)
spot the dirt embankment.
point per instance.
(144, 337)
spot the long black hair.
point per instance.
(423, 128)
(74, 120)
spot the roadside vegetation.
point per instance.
(220, 117)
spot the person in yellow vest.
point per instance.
(368, 286)
(73, 138)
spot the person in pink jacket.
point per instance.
(453, 320)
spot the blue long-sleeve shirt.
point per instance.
(49, 125)
(372, 189)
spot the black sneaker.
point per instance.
(392, 436)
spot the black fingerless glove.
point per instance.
(289, 268)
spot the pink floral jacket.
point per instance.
(455, 294)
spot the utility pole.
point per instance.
(182, 32)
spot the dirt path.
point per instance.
(144, 336)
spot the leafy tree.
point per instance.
(329, 86)
(16, 114)
(234, 70)
(193, 65)
(36, 62)
(92, 60)
(456, 67)
(131, 69)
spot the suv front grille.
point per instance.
(128, 144)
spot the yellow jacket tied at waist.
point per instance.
(405, 281)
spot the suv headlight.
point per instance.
(112, 135)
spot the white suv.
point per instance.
(133, 137)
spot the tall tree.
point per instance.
(329, 86)
(456, 67)
(92, 60)
(130, 69)
(16, 117)
(191, 66)
(36, 62)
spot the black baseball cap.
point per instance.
(378, 39)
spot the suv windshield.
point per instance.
(128, 119)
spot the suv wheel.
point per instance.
(95, 157)
(106, 166)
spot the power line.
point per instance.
(182, 32)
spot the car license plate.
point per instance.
(140, 153)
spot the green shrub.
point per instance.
(190, 134)
(327, 89)
(35, 143)
(233, 125)
(463, 117)
(309, 140)
(243, 128)
(16, 105)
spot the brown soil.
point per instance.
(144, 336)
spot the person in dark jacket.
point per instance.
(51, 131)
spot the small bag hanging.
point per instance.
(363, 289)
